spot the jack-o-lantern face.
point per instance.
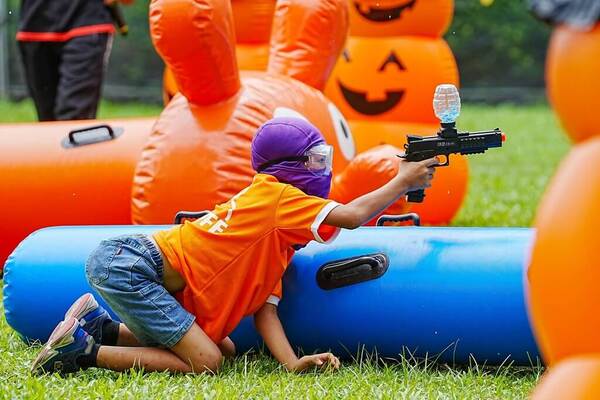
(400, 17)
(359, 100)
(391, 79)
(380, 11)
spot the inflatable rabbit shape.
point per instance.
(199, 151)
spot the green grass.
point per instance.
(24, 111)
(506, 184)
(505, 187)
(258, 376)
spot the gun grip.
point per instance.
(416, 196)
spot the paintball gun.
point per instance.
(448, 140)
(117, 15)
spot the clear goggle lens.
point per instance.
(319, 159)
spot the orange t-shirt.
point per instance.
(233, 258)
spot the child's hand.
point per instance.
(417, 175)
(322, 360)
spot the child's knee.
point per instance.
(207, 361)
(227, 347)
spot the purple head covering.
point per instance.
(288, 137)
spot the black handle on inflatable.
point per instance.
(414, 217)
(87, 136)
(183, 215)
(349, 271)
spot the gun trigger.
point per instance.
(446, 163)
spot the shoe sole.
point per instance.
(61, 336)
(82, 306)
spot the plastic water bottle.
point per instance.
(446, 103)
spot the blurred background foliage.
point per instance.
(498, 45)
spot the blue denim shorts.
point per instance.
(127, 271)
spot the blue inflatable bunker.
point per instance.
(445, 293)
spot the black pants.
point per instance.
(65, 78)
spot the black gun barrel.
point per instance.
(478, 142)
(420, 148)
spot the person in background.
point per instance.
(64, 47)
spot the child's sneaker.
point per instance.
(90, 314)
(67, 343)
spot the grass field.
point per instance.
(504, 190)
(24, 111)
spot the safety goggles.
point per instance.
(318, 160)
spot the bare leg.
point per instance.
(196, 349)
(127, 338)
(227, 347)
(195, 352)
(151, 359)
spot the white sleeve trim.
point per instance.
(273, 300)
(314, 228)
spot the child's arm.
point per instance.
(411, 176)
(268, 325)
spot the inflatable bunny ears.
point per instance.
(196, 40)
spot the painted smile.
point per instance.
(359, 102)
(384, 14)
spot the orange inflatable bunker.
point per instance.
(53, 174)
(563, 274)
(563, 271)
(199, 151)
(572, 69)
(574, 379)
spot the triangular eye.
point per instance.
(346, 55)
(392, 59)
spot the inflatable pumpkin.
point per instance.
(373, 169)
(199, 151)
(252, 24)
(563, 273)
(400, 17)
(391, 79)
(572, 67)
